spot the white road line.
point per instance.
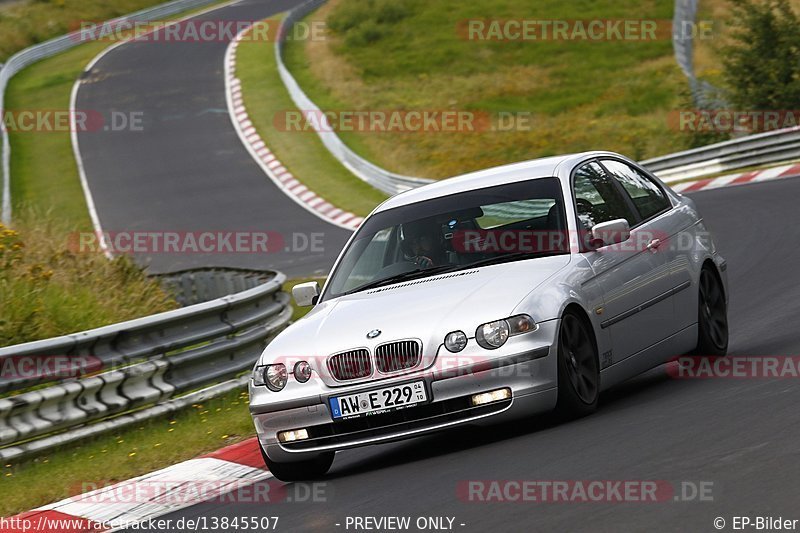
(76, 149)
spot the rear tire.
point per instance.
(578, 370)
(712, 321)
(300, 470)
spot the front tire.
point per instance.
(712, 321)
(578, 370)
(300, 470)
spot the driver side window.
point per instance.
(597, 198)
(644, 193)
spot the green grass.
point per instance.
(48, 287)
(26, 23)
(44, 175)
(301, 152)
(128, 453)
(408, 54)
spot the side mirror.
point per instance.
(611, 232)
(306, 294)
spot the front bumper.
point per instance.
(526, 365)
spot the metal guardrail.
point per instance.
(196, 286)
(35, 53)
(151, 360)
(777, 146)
(704, 95)
(685, 11)
(382, 179)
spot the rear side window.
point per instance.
(646, 195)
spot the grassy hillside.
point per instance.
(24, 23)
(411, 54)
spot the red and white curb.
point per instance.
(276, 171)
(755, 176)
(149, 496)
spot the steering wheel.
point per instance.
(424, 262)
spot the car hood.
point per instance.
(424, 309)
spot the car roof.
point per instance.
(536, 168)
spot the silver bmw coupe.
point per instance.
(487, 297)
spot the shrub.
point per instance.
(761, 65)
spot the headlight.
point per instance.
(455, 341)
(493, 335)
(302, 371)
(276, 377)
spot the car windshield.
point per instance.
(503, 223)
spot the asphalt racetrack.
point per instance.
(185, 171)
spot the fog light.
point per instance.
(302, 371)
(293, 435)
(492, 396)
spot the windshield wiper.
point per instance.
(404, 276)
(505, 258)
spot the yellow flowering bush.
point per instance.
(10, 249)
(48, 289)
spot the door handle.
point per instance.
(654, 244)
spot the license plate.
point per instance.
(379, 400)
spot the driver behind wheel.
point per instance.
(422, 243)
